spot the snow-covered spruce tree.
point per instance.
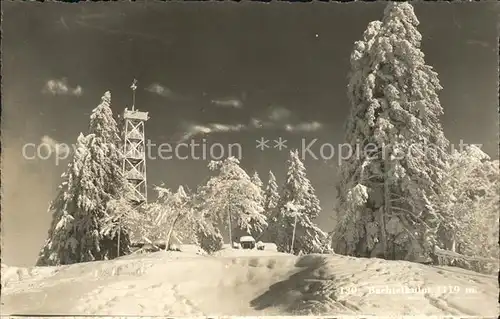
(176, 218)
(481, 238)
(60, 246)
(93, 181)
(146, 229)
(233, 199)
(179, 205)
(104, 169)
(271, 201)
(208, 235)
(271, 194)
(389, 190)
(298, 207)
(120, 218)
(470, 223)
(89, 207)
(258, 182)
(151, 227)
(167, 220)
(179, 218)
(255, 232)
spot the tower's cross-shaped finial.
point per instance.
(133, 87)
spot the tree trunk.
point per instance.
(387, 207)
(453, 243)
(118, 244)
(230, 229)
(170, 231)
(293, 233)
(228, 207)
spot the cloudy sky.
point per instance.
(225, 72)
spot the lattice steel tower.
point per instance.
(134, 163)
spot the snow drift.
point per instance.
(247, 282)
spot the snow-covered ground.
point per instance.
(242, 282)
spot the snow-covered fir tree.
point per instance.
(90, 206)
(255, 230)
(208, 235)
(271, 195)
(121, 217)
(60, 246)
(147, 229)
(256, 180)
(181, 225)
(388, 192)
(152, 226)
(297, 209)
(271, 201)
(172, 218)
(298, 188)
(470, 222)
(103, 181)
(95, 179)
(233, 199)
(169, 220)
(179, 217)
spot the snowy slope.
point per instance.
(238, 282)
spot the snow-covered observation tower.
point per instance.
(134, 163)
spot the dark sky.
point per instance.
(201, 64)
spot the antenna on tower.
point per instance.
(133, 87)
